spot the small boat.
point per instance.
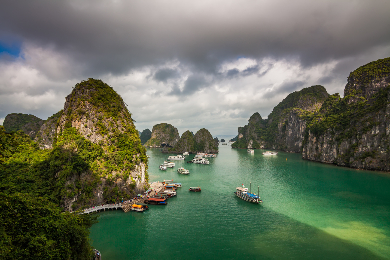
(177, 157)
(251, 151)
(181, 170)
(211, 155)
(200, 161)
(96, 255)
(163, 167)
(169, 192)
(167, 181)
(140, 207)
(186, 154)
(195, 189)
(243, 194)
(169, 164)
(157, 201)
(224, 143)
(270, 153)
(176, 185)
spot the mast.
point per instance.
(258, 194)
(250, 187)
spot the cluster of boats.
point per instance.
(198, 159)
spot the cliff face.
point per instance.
(29, 124)
(354, 131)
(202, 141)
(285, 127)
(96, 125)
(145, 136)
(163, 135)
(47, 134)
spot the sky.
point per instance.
(193, 64)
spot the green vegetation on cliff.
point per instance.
(165, 134)
(29, 124)
(33, 225)
(145, 136)
(371, 71)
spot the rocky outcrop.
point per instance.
(29, 124)
(285, 127)
(96, 125)
(48, 132)
(204, 142)
(145, 136)
(354, 131)
(163, 135)
(186, 143)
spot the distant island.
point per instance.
(351, 131)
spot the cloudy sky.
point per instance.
(192, 64)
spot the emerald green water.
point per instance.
(310, 211)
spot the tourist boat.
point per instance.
(177, 185)
(195, 189)
(270, 153)
(169, 192)
(140, 207)
(200, 161)
(181, 170)
(211, 155)
(157, 201)
(251, 151)
(243, 194)
(169, 164)
(163, 167)
(186, 154)
(177, 157)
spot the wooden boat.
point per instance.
(243, 194)
(195, 189)
(140, 207)
(156, 201)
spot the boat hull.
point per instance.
(248, 198)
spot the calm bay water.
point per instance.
(310, 211)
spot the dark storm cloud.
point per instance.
(165, 74)
(191, 85)
(114, 37)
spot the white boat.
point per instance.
(176, 158)
(176, 185)
(163, 167)
(270, 153)
(181, 170)
(186, 154)
(251, 151)
(169, 192)
(200, 161)
(169, 164)
(211, 155)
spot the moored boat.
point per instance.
(139, 207)
(176, 157)
(163, 167)
(251, 151)
(195, 189)
(157, 201)
(243, 194)
(181, 170)
(270, 153)
(169, 164)
(200, 161)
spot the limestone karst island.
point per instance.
(73, 186)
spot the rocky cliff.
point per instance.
(96, 125)
(285, 127)
(163, 135)
(47, 133)
(354, 131)
(29, 124)
(202, 141)
(145, 136)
